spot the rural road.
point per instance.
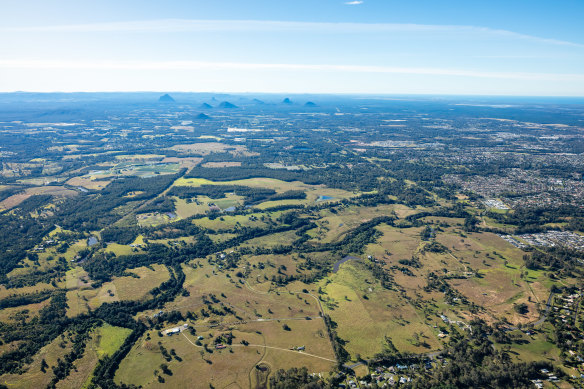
(548, 306)
(270, 320)
(257, 320)
(543, 317)
(269, 347)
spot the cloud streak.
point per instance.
(205, 65)
(188, 25)
(355, 2)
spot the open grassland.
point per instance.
(264, 267)
(366, 312)
(218, 238)
(273, 240)
(81, 301)
(5, 292)
(277, 203)
(250, 302)
(308, 333)
(222, 368)
(51, 190)
(228, 222)
(13, 201)
(183, 161)
(395, 243)
(500, 267)
(221, 164)
(103, 341)
(77, 278)
(332, 226)
(22, 313)
(152, 219)
(88, 183)
(84, 298)
(78, 301)
(132, 288)
(185, 210)
(121, 249)
(489, 222)
(193, 182)
(109, 339)
(134, 168)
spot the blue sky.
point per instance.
(320, 46)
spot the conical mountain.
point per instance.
(166, 98)
(227, 104)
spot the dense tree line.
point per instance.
(39, 331)
(295, 378)
(251, 195)
(360, 176)
(93, 211)
(562, 260)
(24, 299)
(121, 235)
(341, 354)
(57, 271)
(18, 235)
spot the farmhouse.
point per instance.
(175, 330)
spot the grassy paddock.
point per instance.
(364, 322)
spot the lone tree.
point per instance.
(521, 309)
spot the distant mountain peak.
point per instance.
(227, 104)
(286, 101)
(309, 104)
(205, 106)
(202, 116)
(166, 98)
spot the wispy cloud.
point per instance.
(185, 25)
(356, 2)
(204, 65)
